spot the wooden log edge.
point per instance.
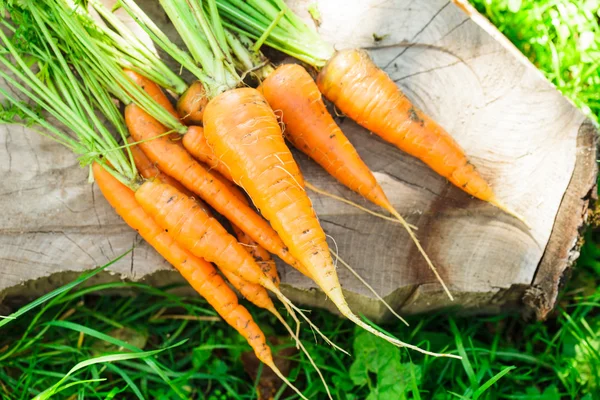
(566, 238)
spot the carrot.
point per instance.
(243, 132)
(207, 154)
(195, 143)
(191, 104)
(261, 256)
(183, 218)
(204, 236)
(174, 160)
(153, 90)
(256, 294)
(148, 169)
(369, 96)
(310, 128)
(364, 92)
(199, 273)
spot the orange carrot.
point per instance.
(296, 99)
(200, 274)
(191, 104)
(258, 296)
(310, 128)
(148, 169)
(153, 90)
(243, 132)
(174, 160)
(183, 218)
(203, 236)
(261, 256)
(195, 143)
(369, 96)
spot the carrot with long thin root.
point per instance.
(199, 273)
(204, 153)
(258, 296)
(243, 132)
(184, 219)
(292, 92)
(174, 160)
(365, 93)
(362, 91)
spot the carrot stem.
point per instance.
(136, 52)
(268, 31)
(290, 36)
(201, 40)
(159, 38)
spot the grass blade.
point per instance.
(98, 360)
(102, 336)
(462, 352)
(491, 381)
(82, 278)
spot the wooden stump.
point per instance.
(535, 148)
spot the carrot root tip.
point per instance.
(303, 349)
(503, 207)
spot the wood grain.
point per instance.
(531, 143)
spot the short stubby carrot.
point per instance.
(191, 104)
(199, 273)
(153, 90)
(171, 158)
(195, 143)
(365, 93)
(243, 132)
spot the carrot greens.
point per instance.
(275, 24)
(43, 75)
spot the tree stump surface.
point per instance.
(534, 147)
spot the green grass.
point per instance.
(561, 37)
(78, 345)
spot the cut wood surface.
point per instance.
(535, 148)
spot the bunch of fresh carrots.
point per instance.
(163, 168)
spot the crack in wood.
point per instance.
(78, 246)
(427, 71)
(455, 28)
(418, 34)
